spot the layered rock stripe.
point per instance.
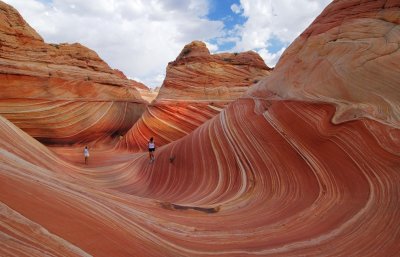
(276, 173)
(197, 86)
(348, 57)
(52, 90)
(196, 75)
(282, 194)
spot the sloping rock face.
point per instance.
(357, 48)
(51, 91)
(267, 176)
(167, 122)
(197, 86)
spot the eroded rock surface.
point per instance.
(273, 174)
(197, 86)
(349, 57)
(53, 90)
(196, 75)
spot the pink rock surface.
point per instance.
(348, 57)
(267, 176)
(196, 75)
(197, 86)
(167, 122)
(265, 187)
(53, 90)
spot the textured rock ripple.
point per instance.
(307, 163)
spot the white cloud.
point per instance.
(212, 47)
(270, 58)
(268, 20)
(156, 80)
(236, 8)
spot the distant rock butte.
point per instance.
(197, 75)
(197, 87)
(61, 93)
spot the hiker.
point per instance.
(86, 154)
(152, 148)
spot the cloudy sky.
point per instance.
(140, 37)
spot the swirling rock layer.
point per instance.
(263, 188)
(197, 86)
(349, 57)
(71, 121)
(167, 122)
(267, 176)
(40, 82)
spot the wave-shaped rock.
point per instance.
(52, 90)
(167, 122)
(282, 180)
(267, 176)
(197, 86)
(265, 188)
(356, 46)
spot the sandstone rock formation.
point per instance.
(61, 93)
(267, 176)
(356, 46)
(197, 86)
(196, 75)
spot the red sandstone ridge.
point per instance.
(197, 86)
(267, 176)
(196, 75)
(61, 93)
(356, 45)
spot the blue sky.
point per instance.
(140, 37)
(221, 11)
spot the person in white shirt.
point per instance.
(86, 154)
(152, 148)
